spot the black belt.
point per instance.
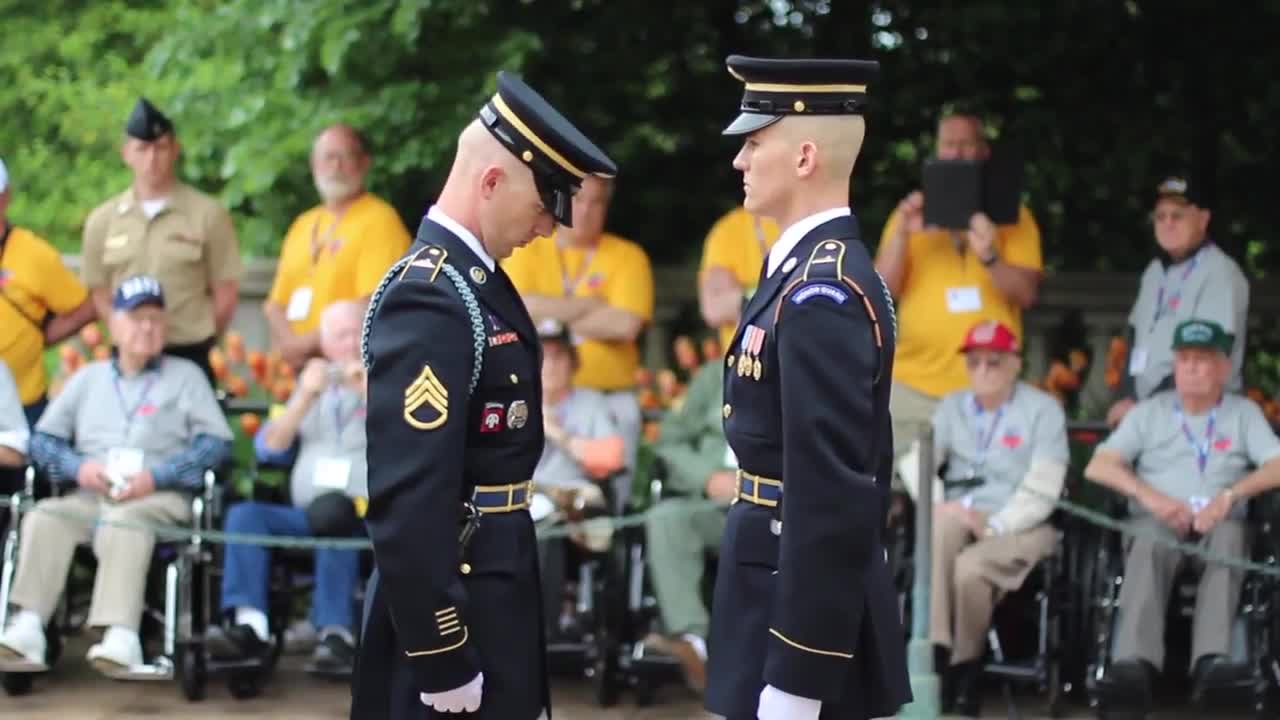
(502, 498)
(758, 489)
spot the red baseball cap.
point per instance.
(990, 335)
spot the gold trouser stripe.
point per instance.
(793, 87)
(798, 646)
(532, 137)
(454, 646)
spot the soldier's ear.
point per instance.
(490, 178)
(807, 159)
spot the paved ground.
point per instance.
(74, 692)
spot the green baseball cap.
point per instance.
(1202, 334)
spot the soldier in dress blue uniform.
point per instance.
(452, 618)
(805, 621)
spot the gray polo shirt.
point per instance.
(330, 448)
(14, 432)
(585, 413)
(1208, 286)
(158, 412)
(997, 446)
(1152, 438)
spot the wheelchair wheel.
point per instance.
(17, 684)
(1056, 692)
(192, 674)
(245, 684)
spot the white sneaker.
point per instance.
(22, 644)
(119, 651)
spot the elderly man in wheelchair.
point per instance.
(320, 433)
(584, 449)
(129, 439)
(14, 436)
(1002, 447)
(1182, 460)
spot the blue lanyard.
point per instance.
(1202, 448)
(338, 422)
(142, 398)
(984, 439)
(1182, 282)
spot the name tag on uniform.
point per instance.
(964, 299)
(125, 462)
(1138, 361)
(332, 473)
(730, 459)
(299, 305)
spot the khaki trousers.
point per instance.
(969, 578)
(910, 411)
(1149, 572)
(49, 540)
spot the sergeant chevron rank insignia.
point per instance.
(426, 390)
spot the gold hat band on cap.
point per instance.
(532, 137)
(790, 87)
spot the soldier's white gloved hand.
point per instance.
(778, 705)
(463, 699)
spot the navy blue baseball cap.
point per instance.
(136, 291)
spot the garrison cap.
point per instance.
(779, 87)
(559, 155)
(147, 123)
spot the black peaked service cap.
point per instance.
(777, 87)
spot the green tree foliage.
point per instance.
(1104, 95)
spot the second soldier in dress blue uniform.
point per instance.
(452, 616)
(806, 622)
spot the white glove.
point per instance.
(778, 705)
(463, 699)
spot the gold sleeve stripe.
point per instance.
(798, 646)
(415, 396)
(446, 624)
(447, 611)
(454, 646)
(451, 631)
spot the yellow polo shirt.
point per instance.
(34, 283)
(738, 242)
(617, 271)
(944, 293)
(326, 258)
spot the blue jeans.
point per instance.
(35, 410)
(247, 571)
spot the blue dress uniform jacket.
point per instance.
(804, 600)
(433, 618)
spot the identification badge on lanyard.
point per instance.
(125, 462)
(1138, 361)
(332, 473)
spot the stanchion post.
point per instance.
(926, 704)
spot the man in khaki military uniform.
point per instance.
(1004, 445)
(165, 228)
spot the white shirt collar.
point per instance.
(435, 214)
(791, 236)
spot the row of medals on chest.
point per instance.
(748, 364)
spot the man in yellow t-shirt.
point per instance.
(41, 302)
(944, 282)
(732, 256)
(601, 287)
(338, 250)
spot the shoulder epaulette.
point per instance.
(424, 264)
(824, 276)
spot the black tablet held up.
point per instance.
(1002, 184)
(952, 192)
